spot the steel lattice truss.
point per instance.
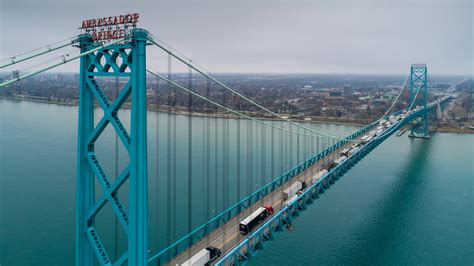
(119, 60)
(419, 81)
(110, 189)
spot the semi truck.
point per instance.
(328, 164)
(352, 151)
(292, 190)
(364, 139)
(319, 175)
(255, 218)
(289, 201)
(303, 187)
(203, 257)
(340, 160)
(344, 152)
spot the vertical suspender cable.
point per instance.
(116, 175)
(203, 161)
(207, 158)
(168, 159)
(312, 151)
(238, 165)
(281, 147)
(225, 127)
(157, 200)
(216, 163)
(225, 184)
(298, 155)
(249, 159)
(305, 145)
(208, 154)
(317, 144)
(174, 199)
(238, 159)
(290, 147)
(272, 159)
(257, 157)
(285, 150)
(263, 159)
(190, 157)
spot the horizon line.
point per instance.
(283, 73)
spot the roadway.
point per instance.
(228, 235)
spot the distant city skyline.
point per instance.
(353, 37)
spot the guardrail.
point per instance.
(250, 245)
(199, 232)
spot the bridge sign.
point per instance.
(109, 28)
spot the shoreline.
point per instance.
(318, 120)
(453, 130)
(335, 121)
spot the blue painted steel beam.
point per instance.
(174, 249)
(236, 256)
(134, 223)
(138, 194)
(85, 178)
(419, 78)
(182, 244)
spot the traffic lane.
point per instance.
(228, 235)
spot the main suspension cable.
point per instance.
(64, 56)
(395, 101)
(62, 62)
(191, 64)
(227, 108)
(408, 111)
(42, 50)
(204, 72)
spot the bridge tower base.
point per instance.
(419, 95)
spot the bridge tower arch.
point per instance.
(419, 95)
(127, 59)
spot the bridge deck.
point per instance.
(228, 235)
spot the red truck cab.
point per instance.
(269, 208)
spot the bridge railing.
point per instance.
(201, 231)
(198, 233)
(256, 238)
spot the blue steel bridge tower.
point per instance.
(419, 89)
(127, 59)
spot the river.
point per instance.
(408, 202)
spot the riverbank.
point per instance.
(448, 129)
(326, 120)
(38, 100)
(152, 108)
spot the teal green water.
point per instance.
(408, 202)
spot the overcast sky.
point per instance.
(318, 36)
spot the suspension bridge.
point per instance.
(321, 158)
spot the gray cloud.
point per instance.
(271, 36)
